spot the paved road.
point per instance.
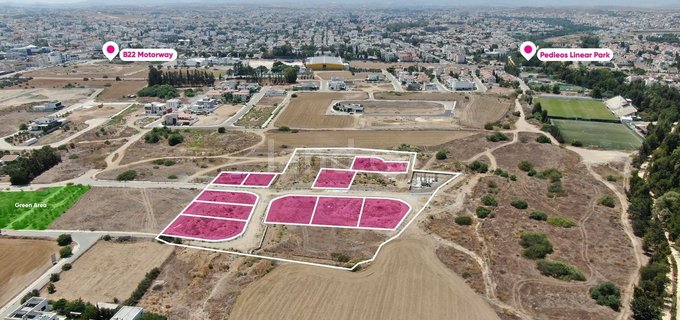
(84, 240)
(394, 80)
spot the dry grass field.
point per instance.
(109, 270)
(196, 143)
(16, 97)
(179, 171)
(125, 209)
(23, 261)
(77, 161)
(482, 109)
(362, 139)
(308, 111)
(426, 96)
(407, 281)
(93, 70)
(347, 75)
(113, 90)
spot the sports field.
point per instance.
(576, 108)
(599, 134)
(37, 209)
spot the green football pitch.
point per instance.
(599, 134)
(576, 108)
(35, 210)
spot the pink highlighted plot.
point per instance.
(334, 179)
(259, 179)
(231, 178)
(204, 228)
(377, 164)
(219, 210)
(291, 210)
(337, 211)
(228, 197)
(383, 213)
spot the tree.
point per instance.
(64, 239)
(221, 130)
(290, 74)
(556, 89)
(441, 155)
(23, 126)
(55, 277)
(175, 139)
(607, 294)
(51, 288)
(543, 139)
(519, 204)
(525, 166)
(463, 220)
(65, 252)
(128, 175)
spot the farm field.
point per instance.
(55, 199)
(104, 272)
(576, 108)
(599, 134)
(125, 209)
(308, 111)
(23, 262)
(407, 281)
(363, 139)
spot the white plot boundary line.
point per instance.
(349, 186)
(242, 184)
(454, 175)
(383, 161)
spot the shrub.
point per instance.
(172, 177)
(64, 239)
(106, 237)
(128, 175)
(221, 130)
(340, 257)
(478, 166)
(536, 245)
(607, 201)
(488, 126)
(31, 294)
(463, 220)
(607, 294)
(555, 189)
(513, 178)
(562, 222)
(51, 288)
(284, 129)
(152, 137)
(54, 277)
(66, 267)
(489, 200)
(560, 270)
(497, 136)
(142, 287)
(538, 215)
(65, 252)
(519, 204)
(612, 178)
(482, 212)
(553, 174)
(577, 143)
(525, 166)
(492, 184)
(543, 139)
(175, 139)
(441, 155)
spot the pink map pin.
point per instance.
(527, 49)
(110, 50)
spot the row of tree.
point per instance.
(179, 78)
(23, 170)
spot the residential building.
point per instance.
(48, 107)
(156, 108)
(337, 84)
(179, 119)
(460, 85)
(128, 313)
(35, 308)
(349, 107)
(205, 105)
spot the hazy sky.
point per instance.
(467, 3)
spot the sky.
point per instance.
(467, 3)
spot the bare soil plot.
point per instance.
(482, 109)
(462, 149)
(407, 281)
(158, 171)
(220, 115)
(16, 97)
(23, 262)
(113, 90)
(308, 110)
(271, 101)
(427, 96)
(119, 90)
(92, 70)
(109, 270)
(104, 110)
(76, 161)
(196, 143)
(363, 139)
(403, 108)
(15, 116)
(125, 209)
(347, 75)
(197, 284)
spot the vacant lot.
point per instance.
(78, 160)
(427, 96)
(400, 108)
(308, 110)
(14, 97)
(166, 169)
(407, 281)
(219, 116)
(576, 108)
(599, 134)
(481, 109)
(113, 90)
(125, 209)
(347, 75)
(119, 90)
(37, 208)
(196, 143)
(23, 262)
(93, 70)
(363, 139)
(110, 270)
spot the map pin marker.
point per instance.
(527, 49)
(110, 50)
